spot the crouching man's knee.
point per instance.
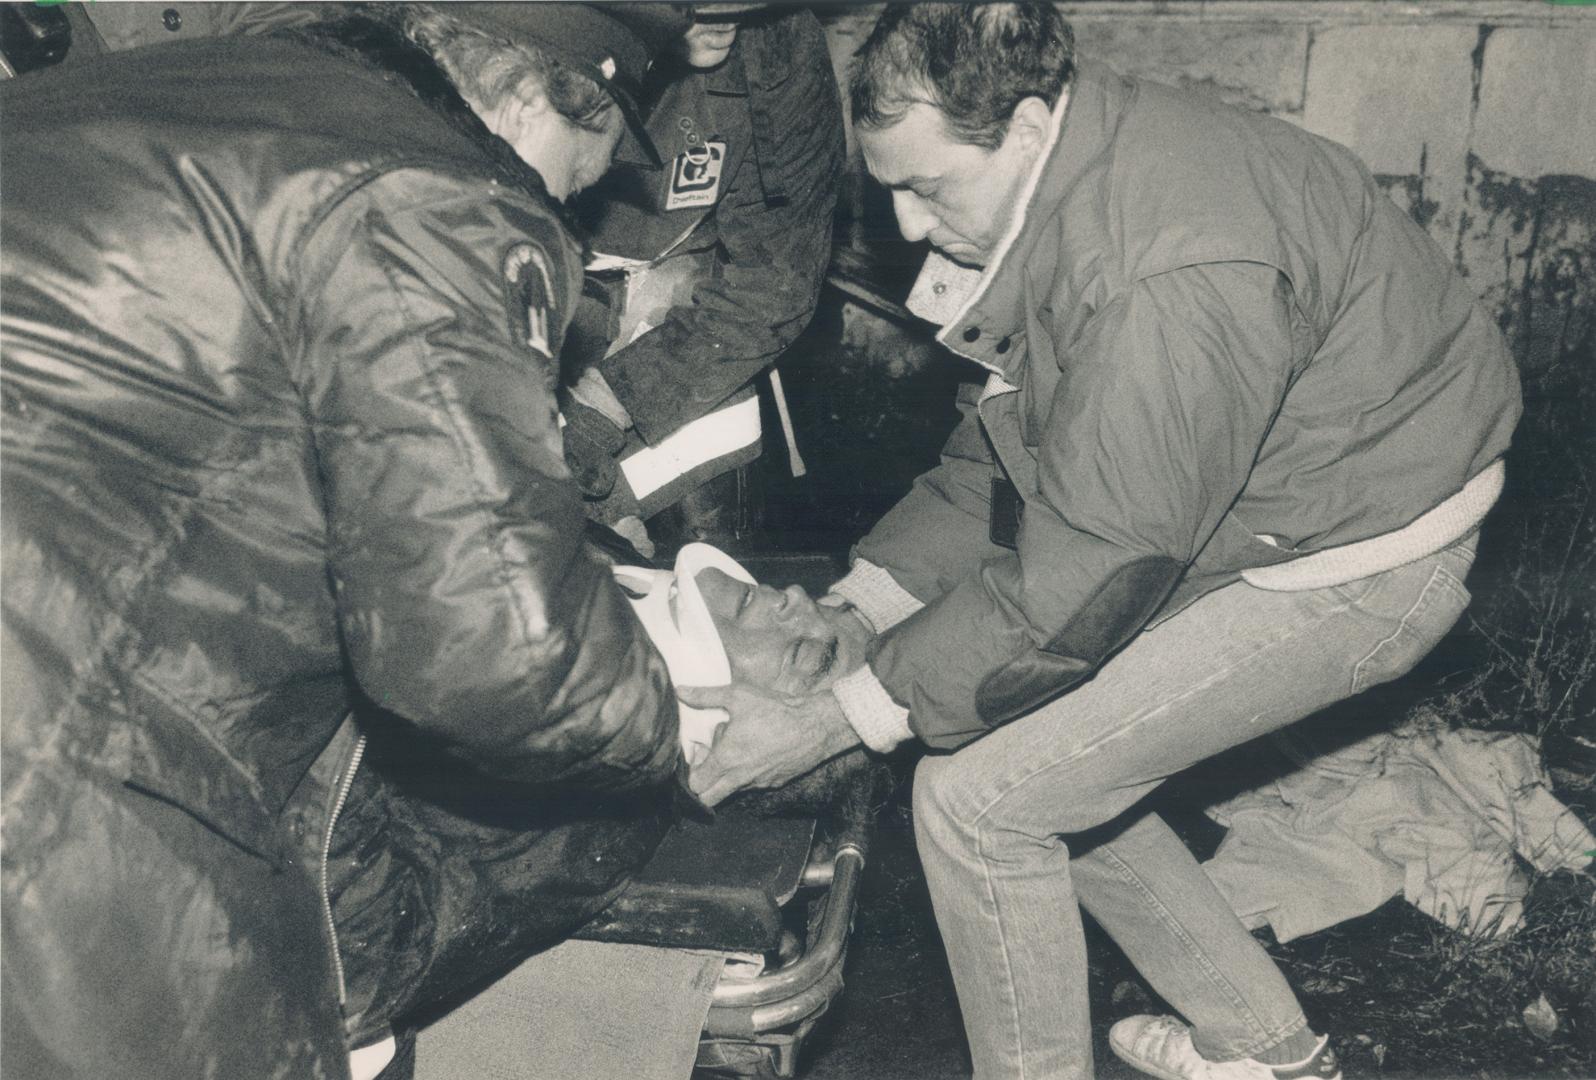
(956, 805)
(961, 800)
(941, 816)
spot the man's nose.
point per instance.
(792, 600)
(915, 220)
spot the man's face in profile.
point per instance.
(959, 196)
(780, 639)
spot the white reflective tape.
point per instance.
(600, 261)
(705, 439)
(368, 1061)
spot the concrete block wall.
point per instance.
(1477, 116)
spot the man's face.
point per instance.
(568, 157)
(959, 196)
(780, 639)
(708, 44)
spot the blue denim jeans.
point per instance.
(995, 821)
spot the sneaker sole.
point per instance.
(1124, 1054)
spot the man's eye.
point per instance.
(746, 598)
(828, 658)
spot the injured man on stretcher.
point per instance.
(610, 1011)
(409, 808)
(715, 625)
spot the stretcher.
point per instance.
(777, 880)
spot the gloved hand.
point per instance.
(592, 449)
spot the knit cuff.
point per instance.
(876, 596)
(880, 722)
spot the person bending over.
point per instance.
(1242, 422)
(709, 268)
(280, 445)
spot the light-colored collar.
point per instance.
(673, 612)
(945, 290)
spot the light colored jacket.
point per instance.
(1214, 345)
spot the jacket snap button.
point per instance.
(172, 19)
(940, 287)
(971, 333)
(1003, 346)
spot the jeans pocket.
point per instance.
(1353, 592)
(1418, 630)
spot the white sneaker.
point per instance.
(1161, 1046)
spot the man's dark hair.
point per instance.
(973, 62)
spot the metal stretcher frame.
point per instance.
(777, 997)
(756, 1027)
(715, 887)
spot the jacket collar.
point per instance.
(981, 311)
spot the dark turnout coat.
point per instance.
(746, 238)
(280, 446)
(773, 107)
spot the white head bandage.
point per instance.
(673, 612)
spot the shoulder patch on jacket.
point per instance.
(529, 297)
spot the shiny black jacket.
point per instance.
(280, 446)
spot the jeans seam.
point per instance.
(1190, 691)
(1270, 1040)
(1440, 578)
(1265, 1037)
(1008, 962)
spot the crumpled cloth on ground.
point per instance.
(588, 1009)
(1433, 815)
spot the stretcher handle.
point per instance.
(825, 949)
(757, 1020)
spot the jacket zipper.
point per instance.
(344, 785)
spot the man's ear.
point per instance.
(1030, 124)
(530, 96)
(515, 113)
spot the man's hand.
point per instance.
(769, 739)
(633, 530)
